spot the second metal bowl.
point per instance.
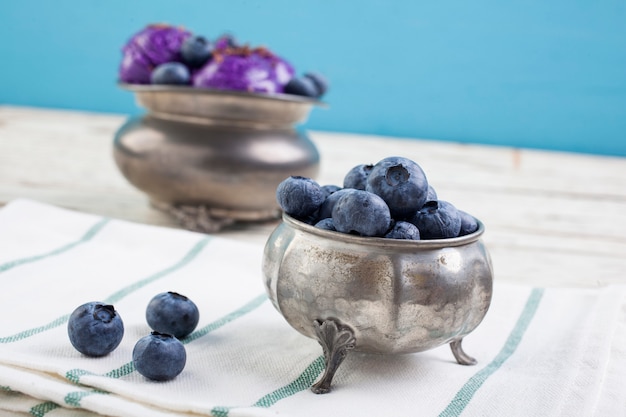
(213, 157)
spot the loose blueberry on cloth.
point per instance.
(95, 329)
(159, 356)
(172, 313)
(540, 351)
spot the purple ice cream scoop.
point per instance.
(154, 45)
(244, 69)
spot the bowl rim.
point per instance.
(382, 242)
(187, 89)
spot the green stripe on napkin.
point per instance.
(304, 381)
(93, 230)
(42, 409)
(465, 394)
(195, 250)
(118, 295)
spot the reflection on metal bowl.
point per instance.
(214, 157)
(377, 295)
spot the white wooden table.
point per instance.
(552, 219)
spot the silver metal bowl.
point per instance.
(214, 157)
(223, 107)
(377, 295)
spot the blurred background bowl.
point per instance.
(223, 151)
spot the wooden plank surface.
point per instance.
(552, 219)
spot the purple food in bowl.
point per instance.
(154, 45)
(244, 69)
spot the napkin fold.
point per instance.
(540, 351)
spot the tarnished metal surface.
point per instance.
(222, 151)
(219, 107)
(396, 296)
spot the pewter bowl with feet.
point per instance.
(214, 157)
(377, 295)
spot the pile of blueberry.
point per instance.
(390, 199)
(95, 329)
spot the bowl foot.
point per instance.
(336, 340)
(460, 356)
(203, 219)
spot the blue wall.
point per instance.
(536, 73)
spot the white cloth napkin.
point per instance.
(540, 351)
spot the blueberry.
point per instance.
(437, 220)
(401, 183)
(431, 195)
(403, 230)
(172, 313)
(227, 40)
(326, 209)
(329, 189)
(312, 219)
(361, 212)
(326, 224)
(196, 51)
(357, 177)
(95, 329)
(301, 86)
(320, 82)
(468, 223)
(173, 73)
(159, 356)
(300, 197)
